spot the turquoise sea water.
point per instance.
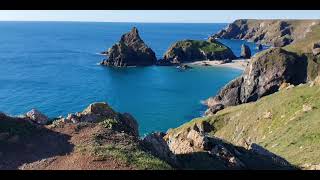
(52, 66)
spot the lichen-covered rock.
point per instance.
(245, 52)
(194, 50)
(37, 116)
(263, 76)
(130, 51)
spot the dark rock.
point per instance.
(214, 109)
(194, 50)
(130, 51)
(245, 51)
(263, 76)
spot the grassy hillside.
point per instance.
(286, 123)
(304, 45)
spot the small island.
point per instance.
(196, 50)
(129, 51)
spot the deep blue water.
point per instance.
(52, 66)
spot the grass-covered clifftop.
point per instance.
(286, 123)
(193, 50)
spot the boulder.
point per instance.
(263, 76)
(37, 116)
(130, 51)
(245, 52)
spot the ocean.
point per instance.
(52, 66)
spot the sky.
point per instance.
(170, 16)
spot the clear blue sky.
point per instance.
(154, 15)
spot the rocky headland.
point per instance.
(196, 50)
(277, 33)
(264, 75)
(129, 51)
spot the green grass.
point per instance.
(203, 45)
(125, 150)
(109, 123)
(290, 132)
(304, 45)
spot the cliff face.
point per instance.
(130, 51)
(263, 76)
(275, 33)
(193, 50)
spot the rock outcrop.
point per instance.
(37, 116)
(245, 52)
(276, 33)
(156, 144)
(130, 51)
(195, 148)
(101, 111)
(194, 50)
(263, 76)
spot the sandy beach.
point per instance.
(237, 64)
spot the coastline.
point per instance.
(236, 64)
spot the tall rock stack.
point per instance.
(130, 51)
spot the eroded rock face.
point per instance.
(194, 50)
(194, 140)
(37, 116)
(155, 144)
(263, 76)
(130, 51)
(277, 33)
(245, 52)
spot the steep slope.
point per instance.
(286, 123)
(264, 75)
